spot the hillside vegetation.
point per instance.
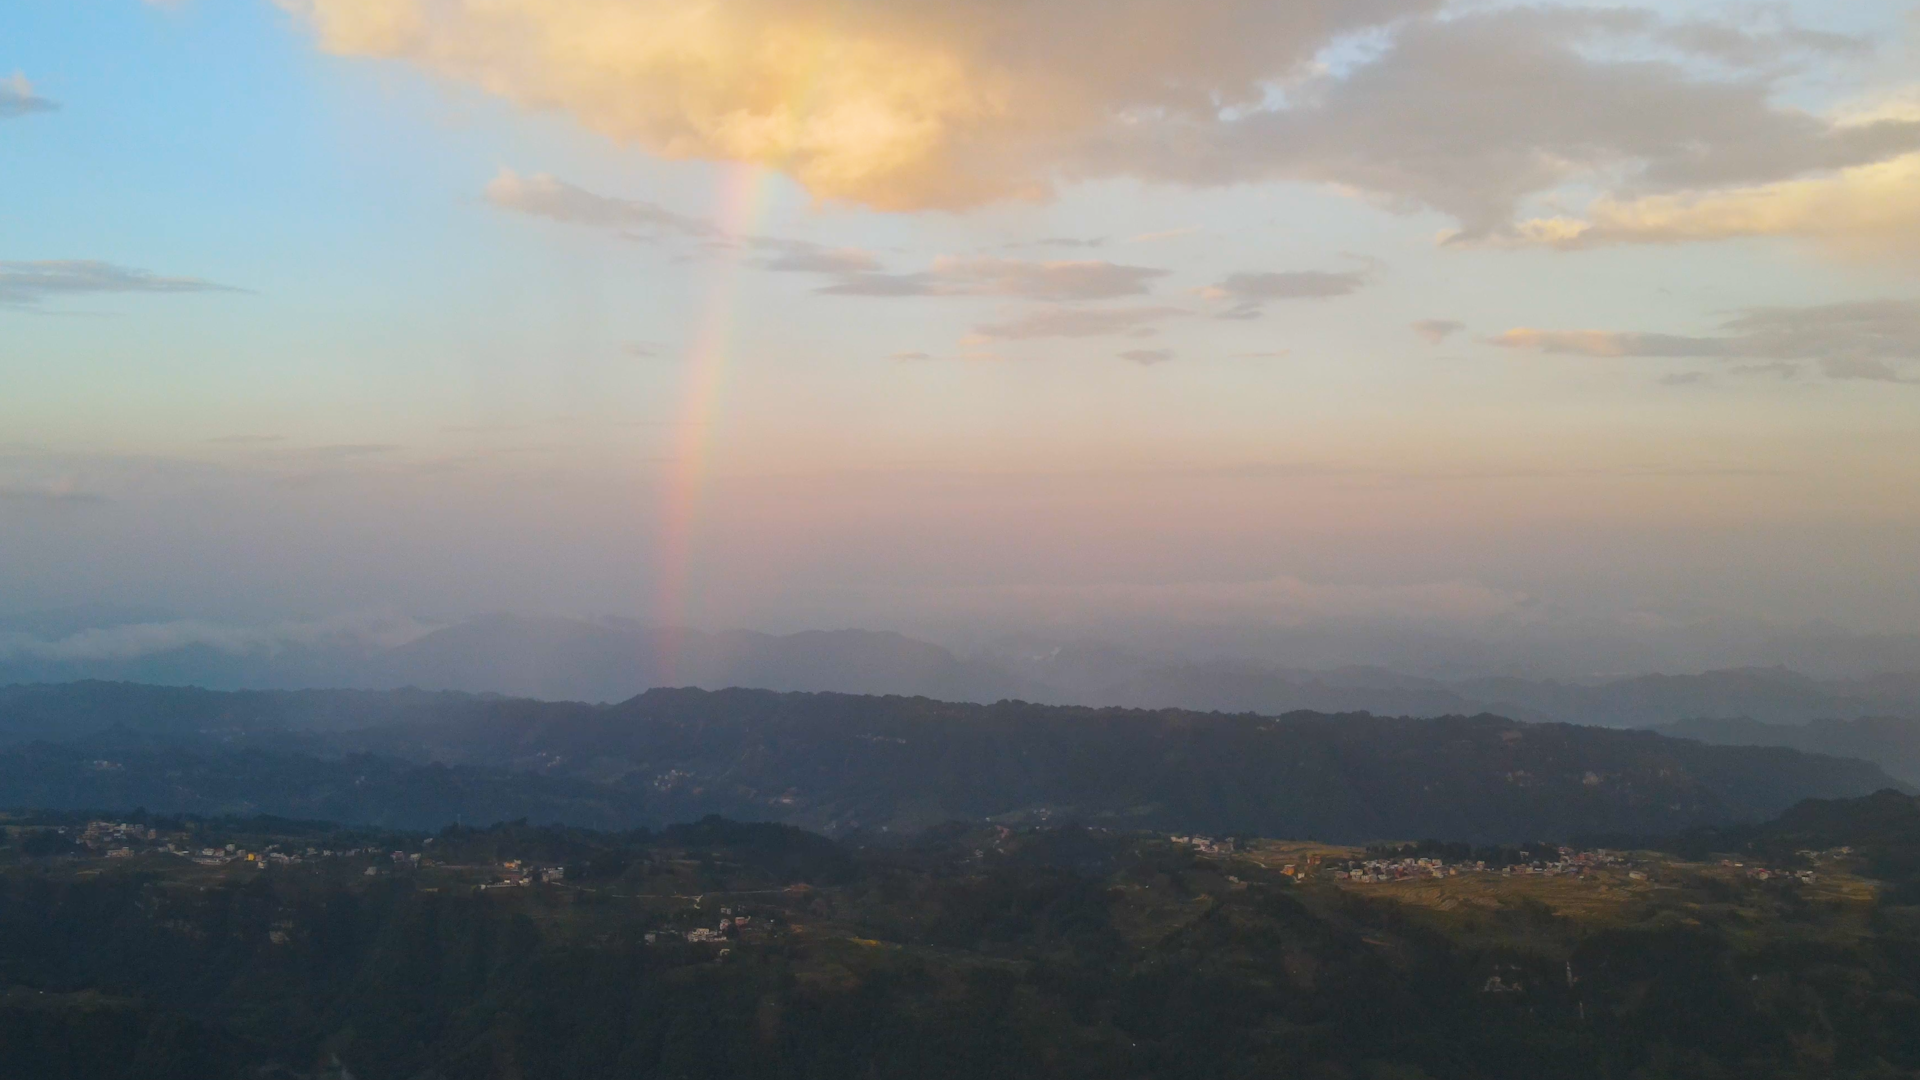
(844, 764)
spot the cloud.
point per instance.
(1147, 357)
(1606, 343)
(1249, 292)
(855, 272)
(1778, 369)
(1685, 378)
(544, 196)
(1853, 340)
(984, 276)
(248, 440)
(1867, 210)
(798, 257)
(23, 284)
(18, 99)
(345, 451)
(1278, 601)
(1436, 331)
(898, 104)
(1475, 114)
(1860, 367)
(61, 492)
(1076, 322)
(919, 104)
(1163, 234)
(903, 356)
(133, 640)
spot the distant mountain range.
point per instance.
(842, 763)
(1892, 743)
(612, 660)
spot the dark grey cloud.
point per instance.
(1075, 322)
(1473, 114)
(1853, 340)
(23, 284)
(18, 99)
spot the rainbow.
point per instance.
(743, 195)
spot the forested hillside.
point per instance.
(214, 949)
(843, 763)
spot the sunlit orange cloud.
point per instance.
(1867, 211)
(898, 104)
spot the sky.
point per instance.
(959, 316)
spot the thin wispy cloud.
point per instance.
(802, 258)
(1248, 293)
(1064, 242)
(62, 492)
(1057, 280)
(541, 195)
(23, 284)
(1072, 322)
(852, 271)
(1163, 234)
(1861, 340)
(17, 98)
(1437, 331)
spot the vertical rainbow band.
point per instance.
(743, 195)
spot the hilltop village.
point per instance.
(687, 899)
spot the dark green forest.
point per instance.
(723, 949)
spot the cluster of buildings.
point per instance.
(515, 873)
(1762, 873)
(731, 926)
(1206, 845)
(115, 837)
(1398, 869)
(1565, 861)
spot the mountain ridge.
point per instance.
(841, 763)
